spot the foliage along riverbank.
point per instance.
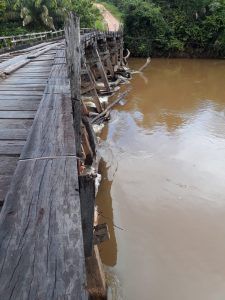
(22, 16)
(174, 28)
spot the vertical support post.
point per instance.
(101, 69)
(87, 200)
(72, 36)
(121, 50)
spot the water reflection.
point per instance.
(164, 155)
(175, 88)
(108, 250)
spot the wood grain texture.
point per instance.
(8, 165)
(52, 132)
(41, 253)
(4, 186)
(11, 147)
(17, 114)
(73, 43)
(25, 105)
(21, 93)
(15, 123)
(13, 134)
(20, 97)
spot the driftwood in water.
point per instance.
(145, 65)
(148, 61)
(128, 54)
(121, 96)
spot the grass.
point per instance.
(99, 24)
(113, 9)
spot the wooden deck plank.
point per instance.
(5, 181)
(8, 165)
(21, 93)
(13, 134)
(15, 123)
(17, 114)
(25, 105)
(11, 147)
(22, 87)
(20, 97)
(17, 81)
(55, 112)
(41, 253)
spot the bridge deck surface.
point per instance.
(42, 255)
(20, 95)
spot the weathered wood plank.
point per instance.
(8, 165)
(34, 69)
(14, 134)
(12, 68)
(4, 186)
(41, 253)
(52, 133)
(16, 81)
(20, 97)
(22, 87)
(35, 76)
(15, 123)
(17, 114)
(25, 105)
(72, 37)
(22, 93)
(42, 51)
(11, 147)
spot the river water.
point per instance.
(163, 187)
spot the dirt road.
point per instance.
(112, 23)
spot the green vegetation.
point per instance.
(21, 16)
(194, 28)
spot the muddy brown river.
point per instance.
(163, 187)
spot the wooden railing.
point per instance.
(13, 41)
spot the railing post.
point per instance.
(73, 51)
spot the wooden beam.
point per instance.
(87, 200)
(72, 36)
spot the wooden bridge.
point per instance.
(47, 191)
